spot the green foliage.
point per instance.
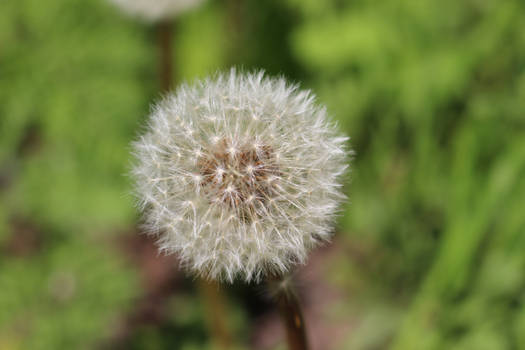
(66, 298)
(76, 80)
(431, 92)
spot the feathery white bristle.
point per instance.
(240, 175)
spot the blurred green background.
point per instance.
(429, 253)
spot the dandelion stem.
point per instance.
(234, 28)
(292, 316)
(165, 36)
(215, 311)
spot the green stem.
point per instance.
(165, 36)
(291, 314)
(214, 301)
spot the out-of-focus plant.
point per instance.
(155, 11)
(75, 81)
(433, 92)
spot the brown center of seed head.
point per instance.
(243, 176)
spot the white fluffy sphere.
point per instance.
(155, 10)
(240, 175)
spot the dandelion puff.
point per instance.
(155, 10)
(240, 175)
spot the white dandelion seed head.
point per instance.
(155, 10)
(240, 175)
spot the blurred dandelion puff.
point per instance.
(155, 10)
(240, 175)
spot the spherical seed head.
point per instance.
(155, 10)
(240, 175)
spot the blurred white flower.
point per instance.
(240, 175)
(155, 10)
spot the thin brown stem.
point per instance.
(214, 301)
(291, 314)
(165, 37)
(235, 10)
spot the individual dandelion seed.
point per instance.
(155, 10)
(240, 175)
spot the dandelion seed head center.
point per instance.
(238, 175)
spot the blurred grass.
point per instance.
(432, 93)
